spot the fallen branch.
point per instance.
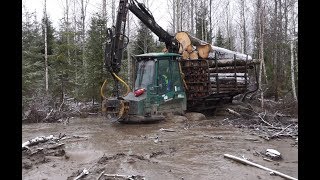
(92, 113)
(167, 130)
(267, 159)
(83, 173)
(265, 121)
(282, 115)
(121, 176)
(61, 105)
(117, 175)
(277, 134)
(38, 150)
(233, 112)
(290, 135)
(78, 136)
(259, 166)
(56, 146)
(251, 139)
(272, 127)
(61, 136)
(36, 140)
(48, 115)
(100, 175)
(213, 137)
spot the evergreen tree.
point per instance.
(52, 63)
(220, 42)
(144, 42)
(61, 67)
(32, 60)
(95, 57)
(50, 36)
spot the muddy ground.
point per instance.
(183, 150)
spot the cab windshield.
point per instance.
(145, 74)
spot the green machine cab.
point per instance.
(158, 89)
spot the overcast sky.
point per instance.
(55, 10)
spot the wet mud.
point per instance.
(190, 150)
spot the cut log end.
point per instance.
(194, 55)
(185, 55)
(183, 39)
(189, 48)
(204, 50)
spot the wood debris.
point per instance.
(259, 166)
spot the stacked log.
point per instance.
(210, 69)
(205, 50)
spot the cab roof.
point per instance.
(158, 55)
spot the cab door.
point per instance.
(170, 89)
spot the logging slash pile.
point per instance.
(60, 114)
(36, 151)
(267, 124)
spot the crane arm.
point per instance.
(147, 18)
(117, 41)
(116, 35)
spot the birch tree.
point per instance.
(261, 30)
(45, 45)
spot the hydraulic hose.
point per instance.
(119, 79)
(125, 84)
(101, 89)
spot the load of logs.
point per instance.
(210, 69)
(194, 48)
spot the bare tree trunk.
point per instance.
(46, 45)
(228, 28)
(286, 20)
(75, 51)
(113, 10)
(205, 22)
(173, 16)
(128, 51)
(104, 12)
(83, 33)
(196, 9)
(294, 68)
(281, 58)
(275, 68)
(285, 11)
(210, 19)
(261, 13)
(145, 47)
(244, 49)
(202, 23)
(181, 12)
(68, 32)
(192, 24)
(292, 73)
(178, 14)
(188, 16)
(83, 17)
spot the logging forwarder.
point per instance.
(192, 85)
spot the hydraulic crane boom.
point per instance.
(146, 17)
(116, 36)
